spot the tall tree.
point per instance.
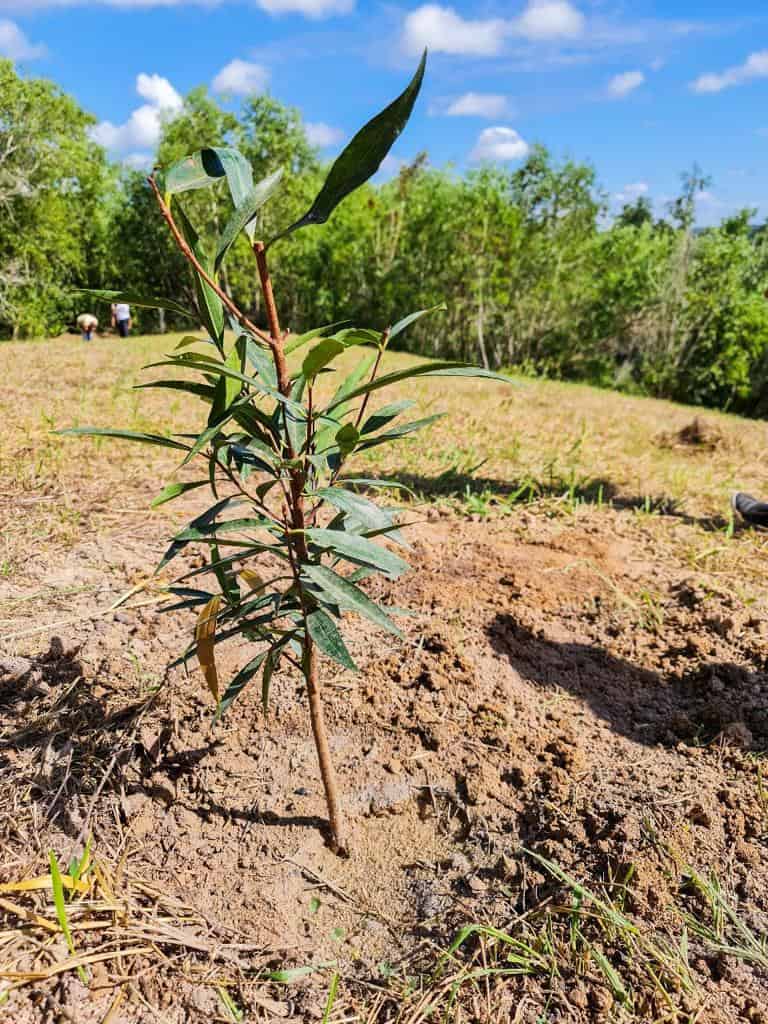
(55, 190)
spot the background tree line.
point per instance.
(535, 274)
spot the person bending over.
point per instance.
(87, 323)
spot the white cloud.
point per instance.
(40, 5)
(549, 19)
(479, 104)
(755, 66)
(158, 91)
(242, 78)
(139, 161)
(15, 45)
(499, 143)
(142, 129)
(309, 8)
(625, 83)
(322, 135)
(445, 31)
(631, 192)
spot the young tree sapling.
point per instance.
(275, 451)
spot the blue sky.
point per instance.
(641, 88)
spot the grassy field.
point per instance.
(557, 780)
(497, 446)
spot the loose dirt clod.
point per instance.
(702, 434)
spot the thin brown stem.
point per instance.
(309, 469)
(336, 816)
(374, 371)
(184, 248)
(298, 553)
(276, 337)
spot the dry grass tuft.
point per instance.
(113, 917)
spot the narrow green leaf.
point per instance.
(208, 365)
(408, 320)
(257, 453)
(362, 157)
(363, 573)
(612, 976)
(385, 415)
(187, 340)
(244, 213)
(432, 369)
(263, 489)
(266, 679)
(213, 465)
(255, 421)
(135, 299)
(239, 682)
(191, 387)
(78, 866)
(239, 556)
(296, 416)
(325, 437)
(383, 485)
(331, 998)
(57, 885)
(204, 168)
(209, 304)
(262, 362)
(366, 512)
(341, 592)
(324, 632)
(233, 387)
(206, 436)
(359, 550)
(201, 521)
(318, 332)
(123, 435)
(320, 356)
(323, 353)
(285, 977)
(395, 432)
(352, 381)
(357, 336)
(226, 578)
(219, 403)
(238, 171)
(393, 532)
(347, 438)
(174, 490)
(202, 530)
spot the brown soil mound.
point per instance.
(700, 433)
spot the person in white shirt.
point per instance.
(87, 323)
(121, 318)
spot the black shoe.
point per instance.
(750, 509)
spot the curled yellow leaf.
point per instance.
(205, 631)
